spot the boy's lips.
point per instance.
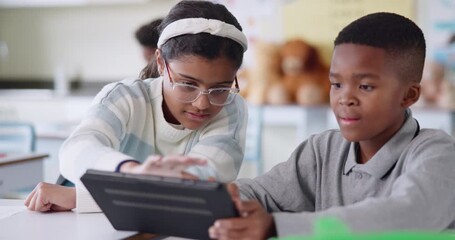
(348, 120)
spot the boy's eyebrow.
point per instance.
(357, 76)
(360, 76)
(334, 75)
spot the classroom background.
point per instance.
(55, 55)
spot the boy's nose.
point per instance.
(202, 102)
(348, 99)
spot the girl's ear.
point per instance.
(159, 62)
(411, 96)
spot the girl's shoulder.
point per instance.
(131, 87)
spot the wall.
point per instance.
(319, 22)
(90, 42)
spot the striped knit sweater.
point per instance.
(126, 121)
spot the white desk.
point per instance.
(60, 225)
(57, 225)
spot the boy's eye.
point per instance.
(366, 87)
(335, 85)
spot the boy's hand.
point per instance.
(47, 196)
(254, 223)
(234, 192)
(169, 166)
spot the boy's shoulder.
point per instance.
(430, 136)
(431, 148)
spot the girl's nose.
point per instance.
(202, 102)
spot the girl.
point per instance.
(191, 113)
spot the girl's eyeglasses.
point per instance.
(187, 93)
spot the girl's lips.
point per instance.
(197, 116)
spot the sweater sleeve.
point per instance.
(422, 198)
(222, 143)
(95, 142)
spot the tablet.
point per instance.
(159, 205)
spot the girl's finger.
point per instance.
(40, 202)
(45, 207)
(185, 159)
(29, 197)
(31, 206)
(59, 208)
(188, 176)
(152, 160)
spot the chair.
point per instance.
(20, 137)
(17, 137)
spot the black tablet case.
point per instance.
(159, 205)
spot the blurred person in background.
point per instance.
(147, 35)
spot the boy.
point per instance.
(380, 171)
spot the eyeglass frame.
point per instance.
(234, 90)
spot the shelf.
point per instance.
(311, 120)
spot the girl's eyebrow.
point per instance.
(200, 81)
(225, 83)
(189, 77)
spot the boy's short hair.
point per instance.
(148, 34)
(399, 36)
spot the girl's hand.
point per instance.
(47, 196)
(169, 166)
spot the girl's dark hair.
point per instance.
(201, 44)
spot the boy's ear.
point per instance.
(159, 62)
(411, 96)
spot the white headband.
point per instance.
(202, 25)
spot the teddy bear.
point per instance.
(304, 77)
(436, 88)
(264, 72)
(432, 81)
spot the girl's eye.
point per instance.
(187, 83)
(335, 85)
(366, 87)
